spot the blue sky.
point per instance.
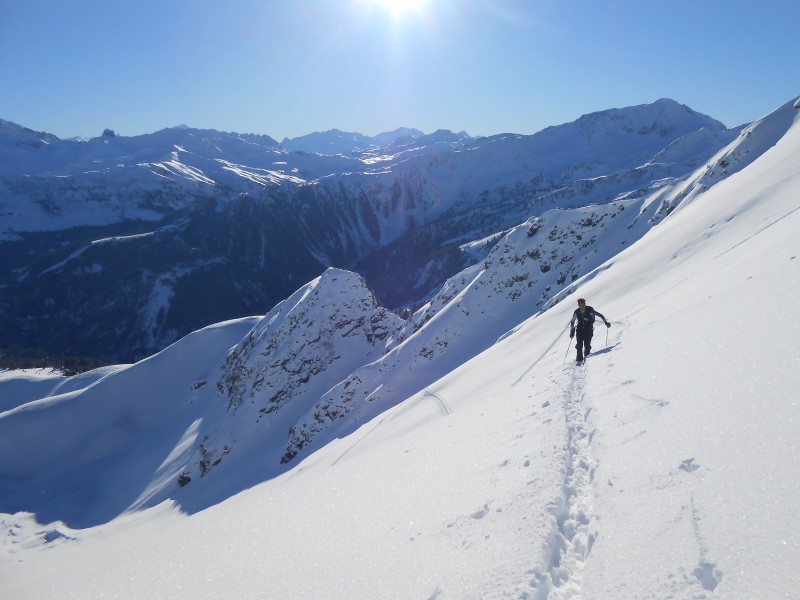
(289, 67)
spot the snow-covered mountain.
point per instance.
(329, 449)
(302, 348)
(335, 141)
(115, 247)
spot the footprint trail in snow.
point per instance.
(575, 533)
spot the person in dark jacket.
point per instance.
(582, 323)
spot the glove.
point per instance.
(608, 324)
(571, 332)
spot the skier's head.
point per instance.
(581, 302)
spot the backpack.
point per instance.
(588, 319)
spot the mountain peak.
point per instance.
(24, 135)
(332, 321)
(663, 117)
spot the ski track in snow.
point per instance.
(575, 533)
(442, 404)
(386, 415)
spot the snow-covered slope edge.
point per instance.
(214, 404)
(752, 142)
(305, 346)
(126, 424)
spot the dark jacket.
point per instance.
(583, 322)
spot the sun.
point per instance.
(400, 7)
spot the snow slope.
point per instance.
(663, 468)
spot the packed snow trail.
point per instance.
(575, 533)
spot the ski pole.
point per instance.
(565, 355)
(606, 337)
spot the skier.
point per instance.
(584, 318)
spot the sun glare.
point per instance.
(399, 7)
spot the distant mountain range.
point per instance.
(114, 247)
(342, 142)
